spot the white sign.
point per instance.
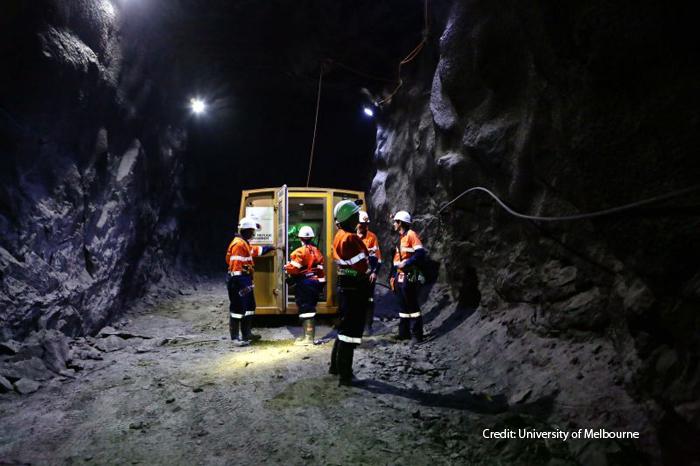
(265, 216)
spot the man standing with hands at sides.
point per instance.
(305, 267)
(406, 278)
(239, 258)
(351, 256)
(375, 262)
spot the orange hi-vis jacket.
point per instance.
(239, 256)
(350, 254)
(306, 261)
(409, 244)
(372, 243)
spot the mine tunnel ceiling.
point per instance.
(257, 65)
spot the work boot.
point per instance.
(333, 369)
(247, 329)
(369, 320)
(233, 326)
(345, 356)
(309, 333)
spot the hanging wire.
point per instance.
(598, 213)
(410, 57)
(313, 140)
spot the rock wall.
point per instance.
(558, 109)
(90, 156)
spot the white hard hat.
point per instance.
(248, 223)
(306, 232)
(403, 216)
(364, 217)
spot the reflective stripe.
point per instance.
(322, 280)
(407, 249)
(249, 313)
(396, 264)
(348, 339)
(296, 264)
(372, 249)
(319, 267)
(236, 316)
(409, 316)
(235, 273)
(307, 315)
(241, 258)
(259, 250)
(353, 260)
(417, 247)
(379, 261)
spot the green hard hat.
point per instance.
(346, 209)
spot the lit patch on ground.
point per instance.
(264, 354)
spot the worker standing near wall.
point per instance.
(351, 256)
(239, 258)
(406, 277)
(305, 267)
(375, 262)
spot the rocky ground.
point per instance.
(165, 386)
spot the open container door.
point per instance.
(281, 206)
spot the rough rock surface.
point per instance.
(89, 165)
(558, 110)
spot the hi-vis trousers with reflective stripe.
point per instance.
(352, 303)
(410, 318)
(306, 294)
(241, 296)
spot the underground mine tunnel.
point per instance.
(541, 160)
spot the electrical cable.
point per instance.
(313, 140)
(410, 57)
(598, 213)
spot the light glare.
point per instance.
(368, 112)
(197, 105)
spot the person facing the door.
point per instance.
(239, 258)
(305, 269)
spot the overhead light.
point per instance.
(369, 112)
(198, 106)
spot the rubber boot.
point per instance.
(345, 356)
(333, 369)
(233, 326)
(404, 329)
(369, 318)
(247, 329)
(309, 333)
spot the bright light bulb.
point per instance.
(197, 105)
(368, 111)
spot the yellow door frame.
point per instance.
(329, 306)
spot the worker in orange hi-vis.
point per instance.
(375, 262)
(406, 278)
(351, 256)
(305, 268)
(239, 258)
